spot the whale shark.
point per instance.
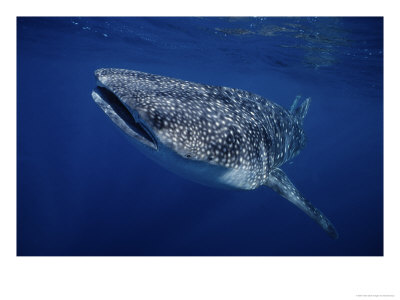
(218, 136)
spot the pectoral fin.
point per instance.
(279, 182)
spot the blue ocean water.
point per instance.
(83, 189)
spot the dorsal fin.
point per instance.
(295, 102)
(300, 111)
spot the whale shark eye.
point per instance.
(229, 139)
(188, 155)
(158, 120)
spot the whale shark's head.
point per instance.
(159, 111)
(177, 121)
(196, 130)
(121, 95)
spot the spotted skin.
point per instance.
(211, 134)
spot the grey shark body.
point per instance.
(217, 136)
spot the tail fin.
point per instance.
(300, 111)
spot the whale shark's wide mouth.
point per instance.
(122, 117)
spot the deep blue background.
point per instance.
(83, 189)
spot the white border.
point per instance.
(196, 278)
